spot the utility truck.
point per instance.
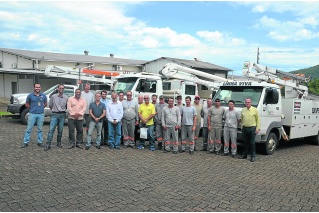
(292, 115)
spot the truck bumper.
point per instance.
(14, 108)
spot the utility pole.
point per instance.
(258, 55)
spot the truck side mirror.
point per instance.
(271, 97)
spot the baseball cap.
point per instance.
(197, 96)
(161, 97)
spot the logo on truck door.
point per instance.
(297, 106)
(315, 110)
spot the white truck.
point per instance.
(288, 116)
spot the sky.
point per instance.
(225, 33)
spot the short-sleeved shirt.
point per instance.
(216, 116)
(188, 114)
(198, 108)
(36, 102)
(130, 110)
(89, 98)
(231, 118)
(58, 103)
(205, 115)
(97, 110)
(146, 111)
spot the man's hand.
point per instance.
(165, 127)
(136, 123)
(96, 119)
(257, 131)
(210, 127)
(193, 129)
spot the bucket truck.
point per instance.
(292, 115)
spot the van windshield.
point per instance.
(124, 84)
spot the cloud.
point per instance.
(220, 38)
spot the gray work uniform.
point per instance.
(230, 130)
(158, 120)
(198, 107)
(130, 116)
(171, 117)
(188, 114)
(215, 134)
(204, 115)
(180, 107)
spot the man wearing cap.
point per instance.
(232, 119)
(204, 115)
(158, 120)
(198, 108)
(171, 121)
(215, 123)
(189, 115)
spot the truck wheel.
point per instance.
(24, 116)
(315, 139)
(271, 144)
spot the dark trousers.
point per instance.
(249, 135)
(78, 125)
(205, 137)
(105, 132)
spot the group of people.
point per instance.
(118, 119)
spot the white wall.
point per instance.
(8, 78)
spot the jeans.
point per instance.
(32, 119)
(78, 125)
(248, 135)
(150, 135)
(114, 129)
(56, 119)
(104, 136)
(92, 126)
(205, 137)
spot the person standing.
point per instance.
(158, 120)
(130, 120)
(198, 107)
(204, 115)
(215, 127)
(179, 103)
(114, 112)
(97, 113)
(232, 119)
(35, 102)
(146, 113)
(89, 98)
(140, 100)
(154, 99)
(76, 106)
(121, 96)
(250, 128)
(104, 134)
(189, 115)
(58, 105)
(171, 121)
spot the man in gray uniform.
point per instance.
(189, 115)
(158, 120)
(232, 118)
(129, 120)
(171, 121)
(215, 127)
(204, 115)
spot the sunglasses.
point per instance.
(128, 95)
(146, 98)
(197, 98)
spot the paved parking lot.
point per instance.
(141, 180)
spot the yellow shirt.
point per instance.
(250, 117)
(146, 111)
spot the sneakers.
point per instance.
(98, 147)
(79, 146)
(243, 157)
(152, 148)
(24, 145)
(59, 145)
(181, 151)
(191, 152)
(234, 155)
(87, 148)
(40, 144)
(140, 147)
(71, 147)
(174, 152)
(224, 154)
(47, 147)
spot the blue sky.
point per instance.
(219, 32)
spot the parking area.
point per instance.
(141, 180)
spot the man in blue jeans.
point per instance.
(58, 105)
(114, 113)
(36, 102)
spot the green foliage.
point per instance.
(313, 87)
(311, 71)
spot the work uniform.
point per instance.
(171, 117)
(198, 107)
(204, 115)
(215, 134)
(158, 120)
(231, 117)
(188, 114)
(130, 116)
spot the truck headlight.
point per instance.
(15, 100)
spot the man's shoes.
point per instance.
(118, 148)
(217, 153)
(111, 147)
(191, 152)
(210, 152)
(174, 152)
(87, 147)
(252, 159)
(204, 149)
(166, 151)
(140, 147)
(133, 147)
(224, 154)
(24, 145)
(124, 146)
(79, 146)
(234, 155)
(243, 157)
(181, 151)
(40, 144)
(98, 147)
(59, 145)
(71, 147)
(47, 147)
(152, 148)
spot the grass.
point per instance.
(5, 113)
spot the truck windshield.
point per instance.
(238, 94)
(47, 92)
(124, 84)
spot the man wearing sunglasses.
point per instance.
(215, 123)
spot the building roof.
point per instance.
(193, 63)
(62, 57)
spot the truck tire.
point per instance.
(24, 116)
(315, 139)
(271, 144)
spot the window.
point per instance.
(124, 84)
(167, 85)
(190, 89)
(203, 87)
(147, 85)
